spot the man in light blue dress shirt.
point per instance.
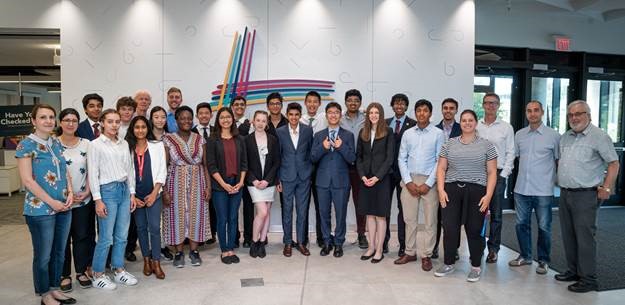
(174, 100)
(537, 147)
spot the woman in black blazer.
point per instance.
(375, 152)
(263, 155)
(227, 164)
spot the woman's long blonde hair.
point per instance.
(381, 129)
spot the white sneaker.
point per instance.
(125, 278)
(103, 282)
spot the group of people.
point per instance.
(150, 175)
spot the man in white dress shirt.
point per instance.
(501, 134)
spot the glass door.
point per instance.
(605, 98)
(500, 84)
(552, 92)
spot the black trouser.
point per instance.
(401, 225)
(313, 191)
(248, 215)
(133, 236)
(463, 209)
(82, 240)
(578, 220)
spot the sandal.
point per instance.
(84, 280)
(66, 287)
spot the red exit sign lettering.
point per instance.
(563, 44)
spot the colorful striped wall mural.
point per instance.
(237, 79)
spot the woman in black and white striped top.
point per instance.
(468, 166)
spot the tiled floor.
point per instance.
(301, 280)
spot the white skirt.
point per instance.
(265, 195)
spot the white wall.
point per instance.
(532, 25)
(380, 47)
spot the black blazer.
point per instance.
(408, 123)
(244, 128)
(272, 161)
(216, 159)
(197, 130)
(377, 160)
(455, 129)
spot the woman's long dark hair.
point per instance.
(130, 134)
(154, 110)
(234, 131)
(65, 112)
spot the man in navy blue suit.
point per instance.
(90, 128)
(333, 151)
(295, 141)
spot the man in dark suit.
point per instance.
(296, 168)
(204, 113)
(90, 128)
(399, 123)
(238, 106)
(333, 151)
(451, 128)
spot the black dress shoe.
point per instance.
(247, 243)
(325, 250)
(234, 259)
(210, 241)
(366, 257)
(131, 257)
(338, 251)
(567, 277)
(582, 287)
(362, 242)
(226, 260)
(401, 252)
(66, 301)
(377, 260)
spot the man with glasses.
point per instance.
(537, 147)
(585, 153)
(501, 134)
(276, 118)
(352, 121)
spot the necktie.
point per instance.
(310, 120)
(96, 129)
(332, 138)
(205, 135)
(397, 126)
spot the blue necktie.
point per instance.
(332, 138)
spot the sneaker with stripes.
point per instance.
(103, 282)
(125, 278)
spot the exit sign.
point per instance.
(563, 44)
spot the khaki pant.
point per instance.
(410, 206)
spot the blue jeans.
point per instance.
(524, 206)
(148, 221)
(49, 236)
(227, 209)
(494, 235)
(112, 229)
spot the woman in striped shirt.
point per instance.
(466, 175)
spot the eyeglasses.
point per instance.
(576, 114)
(68, 121)
(275, 104)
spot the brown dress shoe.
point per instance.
(288, 250)
(156, 268)
(302, 249)
(147, 269)
(405, 259)
(426, 264)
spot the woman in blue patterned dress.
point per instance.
(48, 199)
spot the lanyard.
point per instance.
(140, 161)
